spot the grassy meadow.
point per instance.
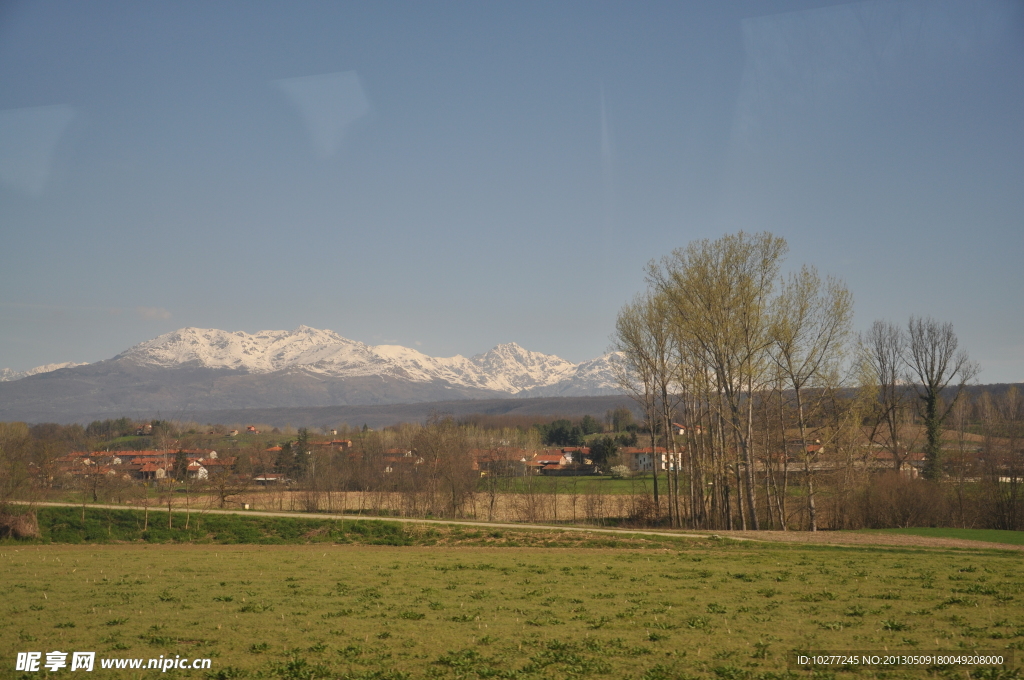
(602, 484)
(457, 603)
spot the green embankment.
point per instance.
(102, 525)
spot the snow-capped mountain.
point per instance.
(195, 369)
(6, 374)
(506, 368)
(593, 377)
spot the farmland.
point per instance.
(471, 606)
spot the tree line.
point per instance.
(773, 389)
(435, 469)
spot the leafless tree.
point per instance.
(16, 462)
(225, 483)
(445, 450)
(883, 350)
(641, 341)
(1003, 422)
(809, 334)
(963, 463)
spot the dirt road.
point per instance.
(851, 538)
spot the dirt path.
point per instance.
(850, 538)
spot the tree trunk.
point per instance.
(933, 431)
(811, 510)
(654, 464)
(781, 497)
(747, 443)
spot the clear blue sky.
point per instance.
(453, 175)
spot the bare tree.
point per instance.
(15, 462)
(810, 330)
(1003, 422)
(225, 483)
(883, 348)
(641, 340)
(445, 449)
(963, 462)
(936, 362)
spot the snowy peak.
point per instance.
(261, 352)
(7, 375)
(507, 368)
(518, 369)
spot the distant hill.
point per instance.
(382, 415)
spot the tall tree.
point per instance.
(936, 362)
(722, 292)
(180, 466)
(619, 418)
(883, 350)
(589, 425)
(810, 330)
(602, 449)
(642, 342)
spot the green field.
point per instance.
(658, 609)
(990, 535)
(589, 484)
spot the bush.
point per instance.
(621, 472)
(895, 500)
(21, 526)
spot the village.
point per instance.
(602, 470)
(150, 466)
(198, 464)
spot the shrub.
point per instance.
(621, 472)
(19, 526)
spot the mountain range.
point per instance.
(6, 374)
(196, 369)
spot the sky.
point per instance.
(453, 175)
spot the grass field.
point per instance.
(990, 535)
(464, 609)
(581, 484)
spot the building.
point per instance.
(639, 459)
